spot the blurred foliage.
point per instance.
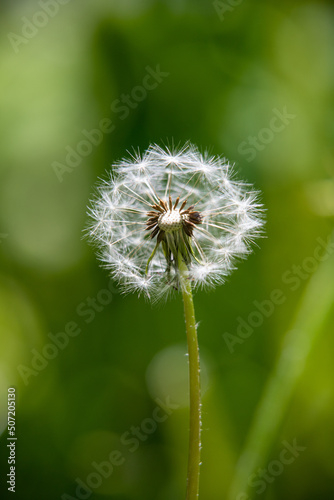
(231, 70)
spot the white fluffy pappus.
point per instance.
(168, 204)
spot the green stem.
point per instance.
(194, 386)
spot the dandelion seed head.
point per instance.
(168, 204)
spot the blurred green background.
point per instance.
(251, 80)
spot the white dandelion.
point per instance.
(168, 204)
(175, 220)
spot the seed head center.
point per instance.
(170, 221)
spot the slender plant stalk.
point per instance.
(194, 386)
